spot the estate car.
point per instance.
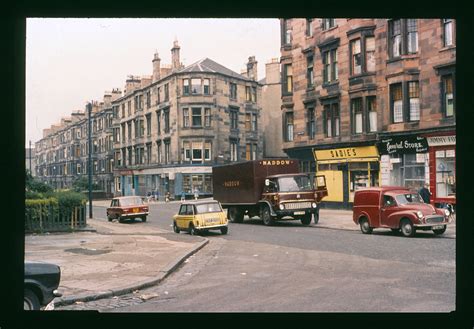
(41, 284)
(127, 207)
(397, 208)
(198, 216)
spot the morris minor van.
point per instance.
(396, 208)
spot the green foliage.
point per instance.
(34, 185)
(67, 200)
(82, 184)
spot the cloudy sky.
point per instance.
(72, 61)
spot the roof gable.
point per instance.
(208, 65)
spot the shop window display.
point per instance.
(408, 170)
(445, 173)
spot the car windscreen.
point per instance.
(408, 198)
(131, 201)
(208, 207)
(294, 183)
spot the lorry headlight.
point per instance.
(314, 204)
(446, 212)
(282, 206)
(419, 214)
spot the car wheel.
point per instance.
(266, 216)
(365, 226)
(192, 230)
(224, 230)
(407, 228)
(121, 220)
(306, 220)
(236, 215)
(175, 228)
(30, 300)
(440, 231)
(109, 218)
(144, 219)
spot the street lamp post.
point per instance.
(89, 140)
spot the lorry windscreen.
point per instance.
(294, 184)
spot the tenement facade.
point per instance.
(370, 102)
(163, 134)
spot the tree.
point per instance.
(82, 184)
(32, 184)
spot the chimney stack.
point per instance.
(252, 68)
(175, 64)
(156, 67)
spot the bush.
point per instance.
(68, 200)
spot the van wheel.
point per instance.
(440, 231)
(407, 228)
(175, 228)
(306, 220)
(236, 215)
(365, 226)
(266, 216)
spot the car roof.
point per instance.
(127, 197)
(196, 202)
(384, 189)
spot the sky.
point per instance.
(71, 61)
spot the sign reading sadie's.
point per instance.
(346, 153)
(403, 145)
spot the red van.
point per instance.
(397, 208)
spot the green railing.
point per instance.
(46, 215)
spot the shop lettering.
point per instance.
(401, 145)
(232, 183)
(351, 152)
(275, 162)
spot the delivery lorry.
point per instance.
(272, 189)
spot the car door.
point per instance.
(389, 206)
(113, 208)
(181, 214)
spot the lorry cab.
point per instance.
(397, 208)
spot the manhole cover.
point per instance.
(84, 251)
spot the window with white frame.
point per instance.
(414, 100)
(449, 107)
(196, 116)
(309, 71)
(330, 71)
(357, 115)
(185, 117)
(309, 27)
(356, 57)
(328, 23)
(448, 32)
(289, 127)
(396, 101)
(234, 146)
(206, 86)
(196, 87)
(185, 86)
(372, 110)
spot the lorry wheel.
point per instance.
(440, 231)
(266, 216)
(365, 226)
(407, 228)
(306, 220)
(236, 215)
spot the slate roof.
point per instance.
(208, 65)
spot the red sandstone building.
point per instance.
(371, 102)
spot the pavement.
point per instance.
(109, 259)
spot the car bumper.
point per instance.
(211, 227)
(295, 212)
(133, 215)
(428, 225)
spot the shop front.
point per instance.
(347, 170)
(442, 167)
(404, 161)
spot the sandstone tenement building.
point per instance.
(370, 102)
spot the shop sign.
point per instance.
(403, 145)
(441, 140)
(346, 153)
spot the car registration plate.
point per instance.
(135, 209)
(299, 213)
(438, 227)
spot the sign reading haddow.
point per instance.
(403, 145)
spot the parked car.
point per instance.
(198, 216)
(397, 208)
(40, 285)
(127, 207)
